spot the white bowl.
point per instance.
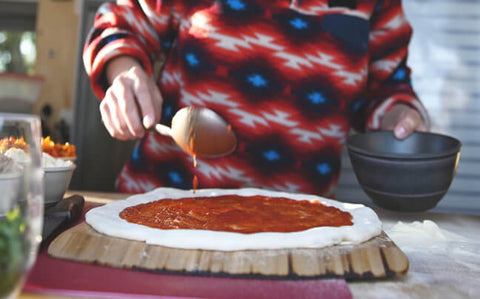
(72, 159)
(57, 180)
(9, 190)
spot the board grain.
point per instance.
(376, 258)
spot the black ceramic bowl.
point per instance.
(409, 175)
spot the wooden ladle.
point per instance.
(200, 132)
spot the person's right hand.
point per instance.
(133, 101)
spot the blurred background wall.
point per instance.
(39, 38)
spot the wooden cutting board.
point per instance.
(376, 258)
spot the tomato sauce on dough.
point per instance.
(240, 214)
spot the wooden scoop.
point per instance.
(200, 132)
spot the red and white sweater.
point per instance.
(291, 77)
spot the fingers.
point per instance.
(158, 102)
(148, 97)
(107, 117)
(403, 120)
(409, 121)
(131, 104)
(130, 123)
(117, 123)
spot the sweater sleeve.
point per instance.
(389, 76)
(142, 29)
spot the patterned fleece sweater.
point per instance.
(291, 77)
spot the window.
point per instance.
(17, 36)
(17, 51)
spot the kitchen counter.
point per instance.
(442, 250)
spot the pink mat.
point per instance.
(62, 277)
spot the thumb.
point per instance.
(407, 125)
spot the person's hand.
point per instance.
(132, 102)
(403, 120)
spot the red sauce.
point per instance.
(232, 213)
(195, 183)
(195, 178)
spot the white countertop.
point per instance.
(443, 251)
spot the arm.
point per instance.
(119, 55)
(392, 104)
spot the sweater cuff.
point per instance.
(111, 50)
(373, 123)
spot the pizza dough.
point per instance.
(105, 219)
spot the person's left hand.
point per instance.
(403, 120)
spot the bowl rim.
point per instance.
(10, 175)
(453, 151)
(70, 158)
(59, 168)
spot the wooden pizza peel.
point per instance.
(376, 258)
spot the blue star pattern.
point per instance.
(324, 168)
(400, 74)
(191, 59)
(136, 157)
(236, 4)
(271, 155)
(316, 98)
(299, 23)
(167, 111)
(175, 177)
(358, 104)
(257, 80)
(167, 44)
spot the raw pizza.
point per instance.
(235, 219)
